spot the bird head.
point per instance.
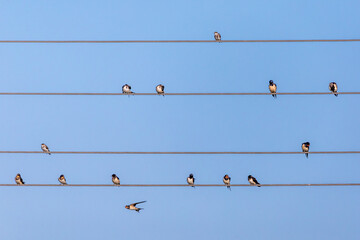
(114, 175)
(127, 206)
(249, 176)
(271, 82)
(191, 175)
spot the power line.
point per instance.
(184, 185)
(180, 94)
(143, 153)
(179, 41)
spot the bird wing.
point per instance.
(134, 204)
(255, 181)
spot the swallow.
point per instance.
(19, 180)
(333, 87)
(133, 206)
(160, 89)
(45, 148)
(126, 89)
(272, 88)
(217, 36)
(226, 181)
(115, 179)
(191, 180)
(253, 181)
(305, 148)
(62, 180)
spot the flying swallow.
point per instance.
(217, 36)
(305, 148)
(62, 180)
(126, 89)
(272, 88)
(19, 180)
(45, 148)
(115, 179)
(226, 181)
(333, 87)
(160, 89)
(133, 206)
(191, 180)
(253, 181)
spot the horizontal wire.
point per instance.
(179, 41)
(182, 185)
(180, 94)
(127, 152)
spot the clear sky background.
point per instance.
(179, 123)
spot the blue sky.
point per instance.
(179, 123)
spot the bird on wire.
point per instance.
(226, 180)
(253, 181)
(191, 180)
(45, 148)
(115, 179)
(217, 36)
(272, 88)
(333, 87)
(126, 89)
(19, 180)
(305, 148)
(160, 89)
(62, 179)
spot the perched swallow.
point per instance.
(62, 180)
(253, 181)
(217, 36)
(133, 206)
(191, 180)
(19, 180)
(160, 89)
(305, 148)
(126, 89)
(226, 181)
(115, 179)
(333, 87)
(272, 88)
(45, 148)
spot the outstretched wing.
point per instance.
(134, 204)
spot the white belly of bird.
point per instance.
(116, 181)
(272, 89)
(133, 208)
(18, 181)
(190, 181)
(252, 182)
(126, 89)
(227, 182)
(305, 149)
(159, 90)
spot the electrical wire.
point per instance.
(184, 185)
(128, 152)
(181, 94)
(179, 41)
